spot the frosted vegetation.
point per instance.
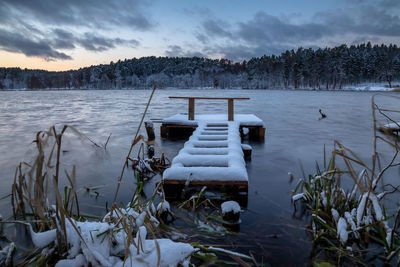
(341, 67)
(351, 223)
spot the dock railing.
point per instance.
(192, 99)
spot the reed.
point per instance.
(44, 198)
(347, 224)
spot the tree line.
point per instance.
(328, 68)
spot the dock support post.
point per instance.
(230, 110)
(149, 130)
(191, 109)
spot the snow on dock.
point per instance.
(212, 156)
(182, 125)
(243, 119)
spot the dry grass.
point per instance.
(361, 207)
(39, 200)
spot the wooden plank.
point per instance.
(230, 109)
(180, 126)
(209, 98)
(237, 183)
(191, 109)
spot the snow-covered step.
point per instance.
(213, 154)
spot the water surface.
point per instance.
(294, 134)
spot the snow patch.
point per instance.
(342, 230)
(230, 206)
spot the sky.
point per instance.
(70, 34)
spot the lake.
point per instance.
(294, 137)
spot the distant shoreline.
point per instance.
(363, 88)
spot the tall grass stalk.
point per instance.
(345, 223)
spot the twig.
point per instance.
(108, 139)
(131, 148)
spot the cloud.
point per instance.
(97, 43)
(177, 51)
(42, 28)
(268, 28)
(214, 27)
(201, 11)
(89, 13)
(17, 43)
(268, 34)
(89, 41)
(361, 21)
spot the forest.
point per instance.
(321, 69)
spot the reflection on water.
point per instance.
(294, 134)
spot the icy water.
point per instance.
(294, 134)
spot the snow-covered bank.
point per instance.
(372, 87)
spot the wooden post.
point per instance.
(150, 131)
(261, 134)
(191, 109)
(230, 109)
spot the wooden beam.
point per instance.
(210, 98)
(191, 109)
(230, 110)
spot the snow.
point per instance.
(229, 252)
(103, 243)
(230, 206)
(392, 126)
(377, 207)
(242, 119)
(361, 207)
(246, 147)
(369, 87)
(335, 214)
(43, 239)
(298, 196)
(77, 261)
(163, 206)
(171, 253)
(350, 220)
(389, 233)
(210, 160)
(342, 230)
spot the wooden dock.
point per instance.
(181, 126)
(213, 156)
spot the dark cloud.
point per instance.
(98, 43)
(29, 25)
(17, 43)
(202, 38)
(177, 51)
(63, 39)
(89, 13)
(214, 27)
(361, 21)
(267, 34)
(89, 41)
(267, 28)
(390, 3)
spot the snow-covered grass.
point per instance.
(345, 218)
(134, 235)
(355, 217)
